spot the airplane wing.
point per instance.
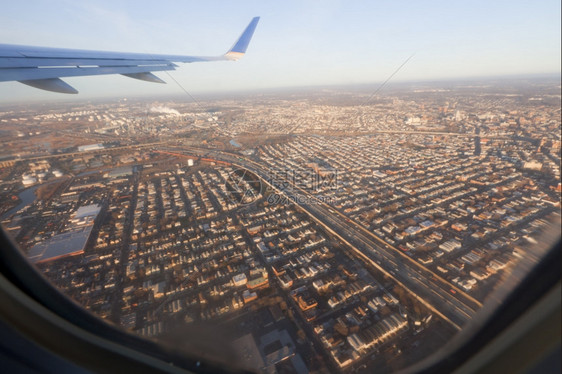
(42, 67)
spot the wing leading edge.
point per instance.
(42, 67)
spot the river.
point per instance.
(27, 197)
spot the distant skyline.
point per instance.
(297, 43)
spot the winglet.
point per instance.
(239, 48)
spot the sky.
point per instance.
(297, 42)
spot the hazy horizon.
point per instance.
(236, 93)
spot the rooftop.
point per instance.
(59, 246)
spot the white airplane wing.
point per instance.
(42, 67)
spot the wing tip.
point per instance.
(241, 45)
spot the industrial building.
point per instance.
(71, 243)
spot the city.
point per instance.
(308, 231)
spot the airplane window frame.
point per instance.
(35, 307)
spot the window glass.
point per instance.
(344, 198)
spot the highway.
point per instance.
(421, 283)
(433, 292)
